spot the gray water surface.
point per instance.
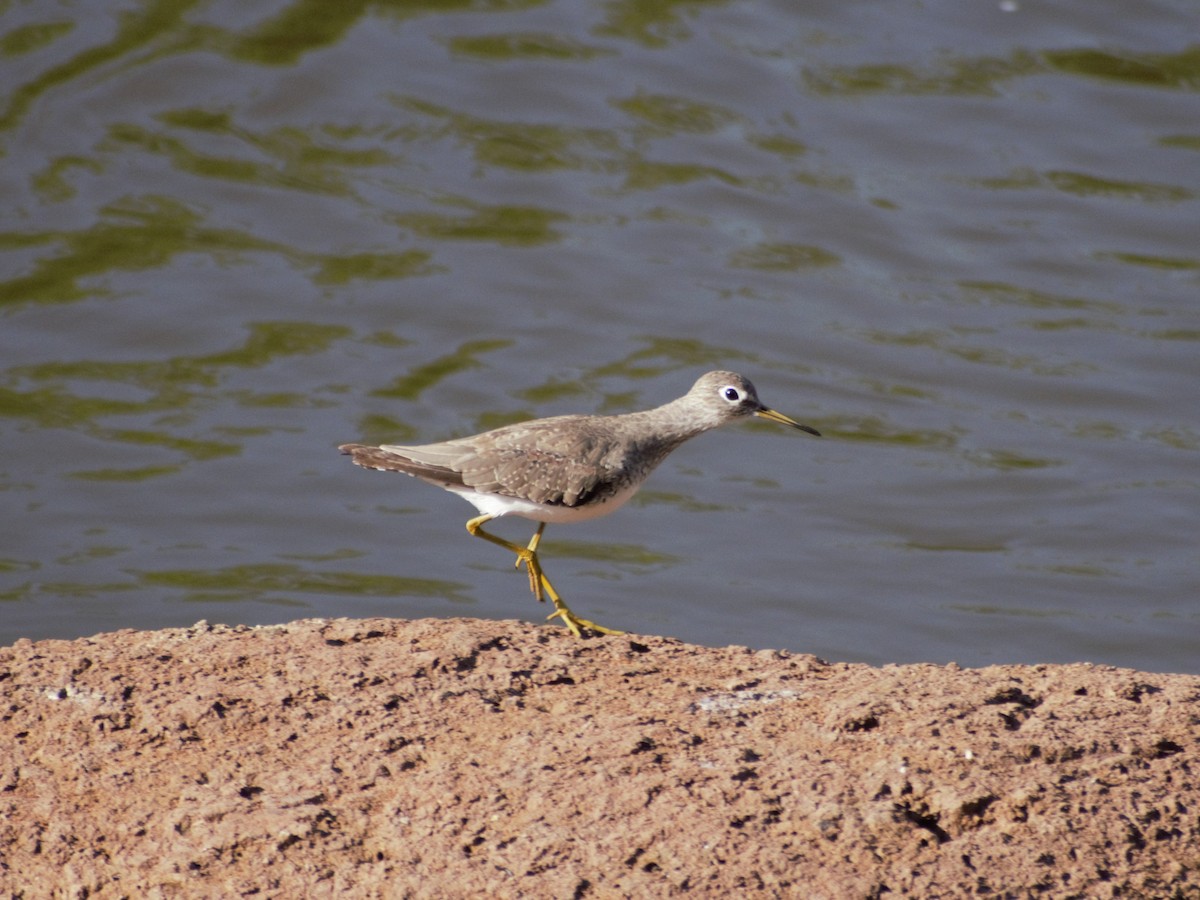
(963, 240)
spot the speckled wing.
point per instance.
(539, 461)
(544, 462)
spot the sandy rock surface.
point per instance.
(386, 758)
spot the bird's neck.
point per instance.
(672, 423)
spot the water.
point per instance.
(960, 239)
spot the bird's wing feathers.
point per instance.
(540, 462)
(530, 460)
(400, 459)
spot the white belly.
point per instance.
(497, 505)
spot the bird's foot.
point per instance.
(577, 625)
(539, 584)
(536, 577)
(528, 556)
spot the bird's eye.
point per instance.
(731, 394)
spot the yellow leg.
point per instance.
(539, 584)
(535, 585)
(536, 539)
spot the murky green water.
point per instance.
(960, 239)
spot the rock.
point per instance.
(375, 758)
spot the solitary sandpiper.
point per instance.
(567, 468)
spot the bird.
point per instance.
(570, 468)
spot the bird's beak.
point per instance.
(784, 420)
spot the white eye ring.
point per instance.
(731, 394)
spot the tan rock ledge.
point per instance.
(386, 758)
